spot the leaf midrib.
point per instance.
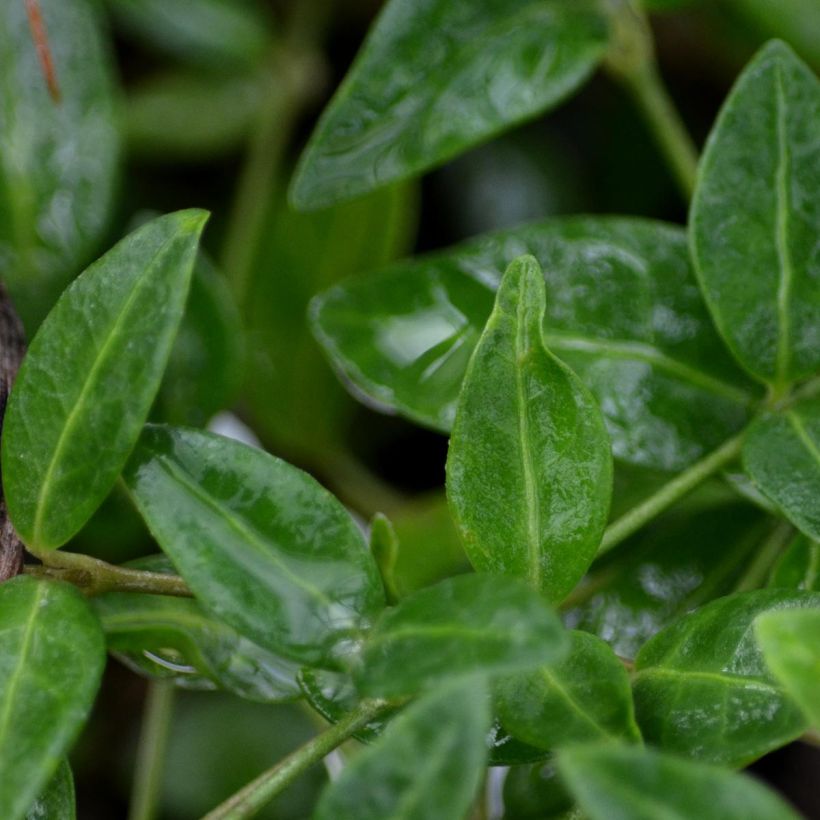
(714, 677)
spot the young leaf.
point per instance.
(91, 373)
(618, 782)
(586, 696)
(624, 311)
(438, 76)
(702, 688)
(782, 455)
(263, 546)
(51, 660)
(56, 801)
(799, 566)
(59, 163)
(462, 626)
(529, 469)
(790, 641)
(426, 766)
(755, 216)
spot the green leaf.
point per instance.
(440, 76)
(781, 453)
(262, 545)
(702, 688)
(755, 215)
(384, 545)
(426, 766)
(51, 661)
(461, 626)
(90, 376)
(535, 792)
(623, 310)
(790, 641)
(59, 163)
(57, 801)
(586, 696)
(529, 469)
(617, 782)
(799, 566)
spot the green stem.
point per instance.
(95, 577)
(261, 791)
(151, 751)
(758, 569)
(678, 487)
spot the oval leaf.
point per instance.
(425, 87)
(262, 545)
(586, 696)
(462, 626)
(799, 566)
(782, 455)
(529, 469)
(85, 388)
(51, 660)
(702, 688)
(426, 766)
(614, 781)
(57, 801)
(755, 215)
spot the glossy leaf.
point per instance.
(702, 688)
(461, 626)
(623, 310)
(790, 641)
(586, 696)
(782, 455)
(425, 87)
(56, 801)
(529, 469)
(59, 163)
(426, 766)
(90, 377)
(799, 566)
(617, 782)
(51, 661)
(755, 216)
(263, 546)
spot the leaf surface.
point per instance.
(799, 566)
(57, 800)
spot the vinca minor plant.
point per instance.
(603, 380)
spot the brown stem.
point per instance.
(38, 34)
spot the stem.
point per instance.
(757, 570)
(95, 577)
(151, 750)
(261, 791)
(679, 486)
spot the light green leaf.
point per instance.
(426, 766)
(586, 696)
(782, 455)
(623, 310)
(755, 216)
(702, 688)
(89, 379)
(529, 469)
(59, 162)
(438, 76)
(56, 801)
(461, 626)
(799, 566)
(618, 782)
(790, 641)
(262, 545)
(51, 660)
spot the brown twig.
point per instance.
(40, 37)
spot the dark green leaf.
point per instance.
(426, 766)
(51, 660)
(90, 376)
(790, 641)
(535, 792)
(702, 688)
(263, 546)
(616, 782)
(58, 166)
(586, 696)
(464, 625)
(799, 566)
(755, 216)
(427, 85)
(623, 310)
(529, 469)
(782, 455)
(57, 801)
